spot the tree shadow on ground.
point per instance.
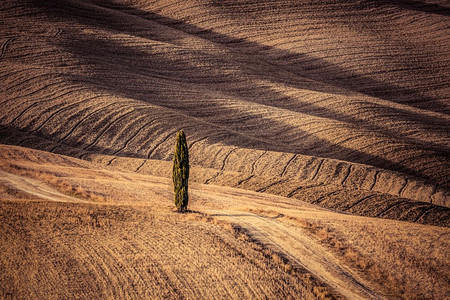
(135, 73)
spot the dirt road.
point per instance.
(34, 188)
(301, 249)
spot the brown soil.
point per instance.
(318, 129)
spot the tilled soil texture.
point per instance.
(318, 134)
(365, 82)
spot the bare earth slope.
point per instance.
(340, 104)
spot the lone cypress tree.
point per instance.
(180, 172)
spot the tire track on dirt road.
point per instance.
(35, 188)
(302, 250)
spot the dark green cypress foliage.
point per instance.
(180, 172)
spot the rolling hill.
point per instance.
(308, 123)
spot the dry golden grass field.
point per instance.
(318, 134)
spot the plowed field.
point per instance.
(319, 145)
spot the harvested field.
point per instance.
(72, 250)
(119, 230)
